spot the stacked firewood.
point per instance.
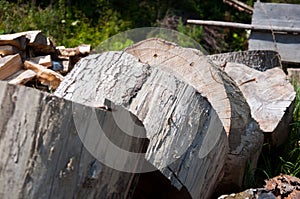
(30, 58)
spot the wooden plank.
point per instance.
(276, 14)
(164, 104)
(288, 46)
(18, 40)
(23, 78)
(255, 27)
(8, 50)
(42, 60)
(10, 65)
(43, 155)
(46, 76)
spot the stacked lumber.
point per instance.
(30, 58)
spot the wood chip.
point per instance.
(45, 76)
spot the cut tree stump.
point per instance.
(180, 123)
(194, 68)
(42, 155)
(265, 87)
(270, 97)
(9, 65)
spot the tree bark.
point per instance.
(42, 155)
(188, 143)
(194, 68)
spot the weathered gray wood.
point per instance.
(277, 14)
(188, 143)
(194, 68)
(42, 60)
(274, 15)
(256, 27)
(270, 97)
(258, 59)
(42, 155)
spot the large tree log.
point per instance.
(188, 143)
(258, 59)
(265, 87)
(42, 155)
(193, 67)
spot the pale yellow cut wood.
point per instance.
(9, 65)
(23, 78)
(45, 76)
(80, 50)
(18, 40)
(42, 60)
(8, 50)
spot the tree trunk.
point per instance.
(42, 153)
(187, 140)
(194, 68)
(265, 87)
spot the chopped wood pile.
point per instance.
(204, 118)
(30, 58)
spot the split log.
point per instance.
(194, 68)
(270, 97)
(8, 50)
(23, 77)
(42, 60)
(265, 87)
(83, 49)
(43, 156)
(18, 40)
(10, 65)
(39, 43)
(45, 76)
(188, 143)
